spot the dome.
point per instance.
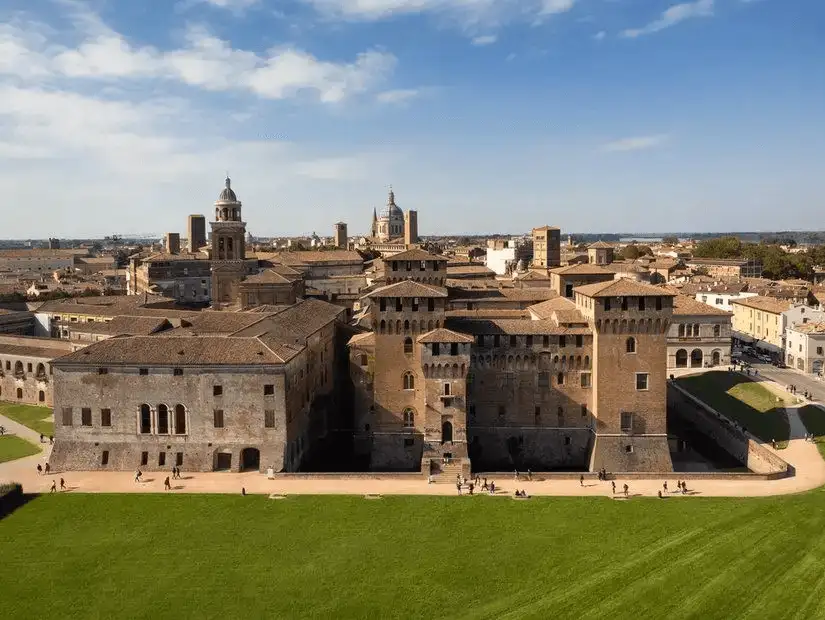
(227, 195)
(392, 211)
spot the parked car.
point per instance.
(780, 364)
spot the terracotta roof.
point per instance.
(688, 306)
(547, 228)
(409, 288)
(163, 257)
(366, 339)
(309, 257)
(115, 305)
(214, 323)
(546, 309)
(301, 320)
(489, 313)
(268, 276)
(768, 304)
(513, 327)
(528, 294)
(600, 245)
(27, 346)
(470, 269)
(122, 326)
(809, 328)
(724, 262)
(416, 254)
(581, 269)
(444, 335)
(533, 275)
(622, 288)
(622, 267)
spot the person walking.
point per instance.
(458, 486)
(664, 486)
(41, 437)
(613, 484)
(48, 469)
(39, 469)
(2, 430)
(166, 484)
(581, 481)
(54, 487)
(51, 440)
(62, 484)
(626, 489)
(243, 491)
(138, 474)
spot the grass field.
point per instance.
(814, 420)
(28, 415)
(755, 407)
(193, 556)
(12, 447)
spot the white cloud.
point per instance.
(637, 143)
(487, 39)
(551, 7)
(231, 4)
(397, 96)
(601, 34)
(672, 16)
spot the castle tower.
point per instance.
(629, 322)
(172, 243)
(410, 228)
(228, 245)
(196, 232)
(546, 247)
(340, 236)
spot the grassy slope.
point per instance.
(154, 556)
(28, 415)
(814, 420)
(743, 400)
(13, 447)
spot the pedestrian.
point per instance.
(471, 487)
(41, 437)
(660, 495)
(529, 474)
(62, 484)
(626, 488)
(429, 478)
(54, 487)
(773, 443)
(51, 440)
(664, 486)
(2, 430)
(581, 481)
(39, 469)
(138, 474)
(243, 491)
(492, 488)
(684, 488)
(485, 486)
(166, 484)
(48, 469)
(613, 484)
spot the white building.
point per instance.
(504, 254)
(805, 347)
(721, 300)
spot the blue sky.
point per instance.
(119, 116)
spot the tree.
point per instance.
(670, 241)
(720, 247)
(633, 251)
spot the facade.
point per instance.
(504, 254)
(727, 268)
(699, 336)
(25, 369)
(340, 236)
(720, 298)
(546, 247)
(564, 280)
(582, 388)
(255, 398)
(196, 232)
(171, 243)
(805, 348)
(38, 261)
(186, 278)
(600, 253)
(759, 321)
(410, 228)
(17, 322)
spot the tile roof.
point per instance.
(469, 269)
(622, 288)
(366, 339)
(546, 309)
(215, 323)
(489, 313)
(768, 304)
(409, 288)
(533, 275)
(27, 346)
(600, 245)
(268, 276)
(581, 269)
(113, 305)
(513, 327)
(297, 322)
(688, 306)
(809, 328)
(444, 335)
(309, 257)
(122, 326)
(528, 294)
(416, 254)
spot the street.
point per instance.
(788, 376)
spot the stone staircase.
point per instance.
(447, 474)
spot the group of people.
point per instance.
(810, 437)
(806, 394)
(41, 469)
(471, 485)
(43, 439)
(522, 494)
(681, 485)
(54, 486)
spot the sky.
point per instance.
(485, 116)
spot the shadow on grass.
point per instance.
(744, 401)
(11, 502)
(814, 420)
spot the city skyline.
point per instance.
(590, 115)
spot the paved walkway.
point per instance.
(9, 470)
(803, 456)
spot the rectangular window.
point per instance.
(584, 411)
(269, 389)
(85, 416)
(179, 459)
(436, 348)
(453, 348)
(67, 416)
(641, 303)
(144, 458)
(446, 389)
(409, 443)
(103, 371)
(104, 459)
(502, 411)
(105, 417)
(585, 379)
(658, 303)
(430, 304)
(562, 341)
(544, 379)
(161, 459)
(579, 341)
(399, 304)
(819, 350)
(382, 304)
(29, 366)
(218, 418)
(178, 372)
(537, 413)
(513, 341)
(217, 390)
(480, 340)
(627, 422)
(143, 372)
(496, 340)
(624, 303)
(545, 341)
(560, 379)
(472, 412)
(607, 303)
(641, 380)
(415, 304)
(269, 418)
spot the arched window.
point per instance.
(408, 345)
(717, 331)
(18, 369)
(180, 420)
(41, 371)
(409, 418)
(630, 345)
(41, 396)
(19, 393)
(696, 330)
(145, 419)
(163, 420)
(409, 381)
(681, 330)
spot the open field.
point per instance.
(13, 447)
(748, 402)
(220, 556)
(29, 415)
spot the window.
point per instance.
(105, 417)
(627, 422)
(408, 345)
(144, 458)
(446, 389)
(496, 340)
(624, 303)
(436, 349)
(560, 378)
(409, 418)
(179, 458)
(658, 303)
(143, 372)
(544, 379)
(567, 441)
(104, 459)
(103, 371)
(415, 304)
(719, 301)
(29, 367)
(363, 360)
(502, 411)
(717, 331)
(579, 341)
(423, 266)
(545, 341)
(472, 412)
(85, 416)
(269, 418)
(382, 304)
(145, 419)
(217, 390)
(628, 449)
(163, 420)
(585, 379)
(430, 304)
(67, 416)
(269, 389)
(681, 330)
(178, 372)
(641, 381)
(607, 303)
(453, 348)
(630, 345)
(819, 350)
(537, 413)
(217, 418)
(162, 459)
(409, 381)
(399, 305)
(528, 341)
(180, 420)
(562, 341)
(513, 341)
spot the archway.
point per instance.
(816, 367)
(696, 358)
(447, 432)
(716, 357)
(223, 461)
(250, 459)
(681, 358)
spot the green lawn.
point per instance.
(814, 420)
(220, 556)
(755, 407)
(29, 415)
(12, 447)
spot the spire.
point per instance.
(228, 182)
(374, 214)
(391, 199)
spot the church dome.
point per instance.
(227, 194)
(392, 211)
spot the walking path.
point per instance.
(9, 471)
(808, 465)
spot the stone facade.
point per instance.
(699, 336)
(26, 369)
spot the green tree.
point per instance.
(670, 241)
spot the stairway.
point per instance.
(447, 474)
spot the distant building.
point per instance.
(546, 247)
(25, 368)
(600, 253)
(410, 227)
(54, 244)
(196, 232)
(805, 347)
(504, 254)
(699, 335)
(759, 321)
(727, 268)
(172, 243)
(340, 237)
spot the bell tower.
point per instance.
(228, 246)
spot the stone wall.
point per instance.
(514, 447)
